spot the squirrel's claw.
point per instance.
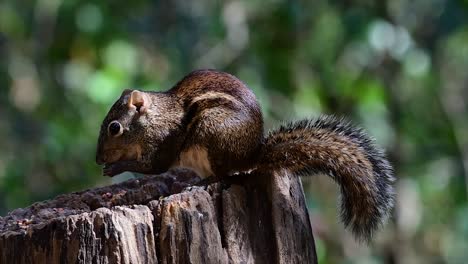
(114, 168)
(111, 170)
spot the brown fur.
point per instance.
(207, 108)
(210, 121)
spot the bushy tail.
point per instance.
(336, 148)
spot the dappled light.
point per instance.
(397, 68)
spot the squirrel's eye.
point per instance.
(115, 129)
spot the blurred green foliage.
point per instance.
(398, 68)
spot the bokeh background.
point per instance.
(397, 67)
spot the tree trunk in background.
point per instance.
(257, 219)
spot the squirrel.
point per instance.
(211, 122)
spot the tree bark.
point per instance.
(156, 219)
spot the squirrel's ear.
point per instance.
(138, 100)
(126, 91)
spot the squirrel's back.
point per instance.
(216, 86)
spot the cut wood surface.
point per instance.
(159, 219)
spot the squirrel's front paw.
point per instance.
(112, 169)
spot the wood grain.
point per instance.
(157, 219)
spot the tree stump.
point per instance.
(156, 219)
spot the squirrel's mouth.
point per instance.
(113, 155)
(109, 156)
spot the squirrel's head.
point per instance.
(137, 127)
